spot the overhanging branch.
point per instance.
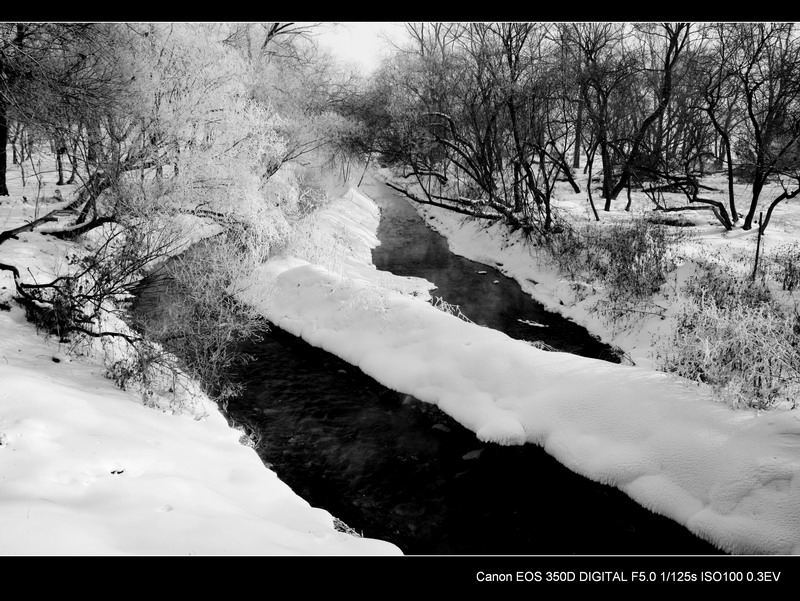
(457, 207)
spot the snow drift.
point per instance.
(730, 477)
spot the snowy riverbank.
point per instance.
(87, 469)
(732, 478)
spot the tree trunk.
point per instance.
(570, 178)
(758, 248)
(60, 165)
(16, 159)
(548, 215)
(73, 161)
(734, 213)
(607, 174)
(758, 184)
(3, 143)
(628, 206)
(719, 158)
(517, 187)
(588, 168)
(94, 150)
(725, 144)
(591, 200)
(576, 155)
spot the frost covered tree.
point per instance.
(38, 64)
(171, 147)
(307, 87)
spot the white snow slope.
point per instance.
(87, 469)
(732, 478)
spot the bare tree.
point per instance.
(605, 73)
(767, 66)
(478, 116)
(719, 96)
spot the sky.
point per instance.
(360, 42)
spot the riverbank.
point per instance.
(87, 469)
(730, 478)
(662, 441)
(638, 331)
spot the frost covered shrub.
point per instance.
(311, 196)
(785, 266)
(250, 435)
(631, 259)
(566, 248)
(200, 320)
(54, 312)
(317, 244)
(439, 303)
(144, 367)
(732, 335)
(727, 286)
(340, 526)
(298, 191)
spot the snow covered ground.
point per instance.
(85, 468)
(538, 276)
(88, 469)
(731, 477)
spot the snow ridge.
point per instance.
(732, 478)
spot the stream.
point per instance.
(483, 294)
(398, 469)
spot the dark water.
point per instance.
(400, 470)
(484, 294)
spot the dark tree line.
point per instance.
(486, 117)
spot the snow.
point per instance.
(732, 478)
(87, 469)
(494, 245)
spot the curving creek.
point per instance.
(397, 469)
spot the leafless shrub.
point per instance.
(630, 260)
(200, 319)
(441, 304)
(734, 336)
(784, 266)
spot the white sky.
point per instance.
(360, 42)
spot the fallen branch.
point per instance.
(454, 207)
(71, 232)
(28, 227)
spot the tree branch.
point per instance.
(455, 208)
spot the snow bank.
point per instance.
(731, 478)
(87, 469)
